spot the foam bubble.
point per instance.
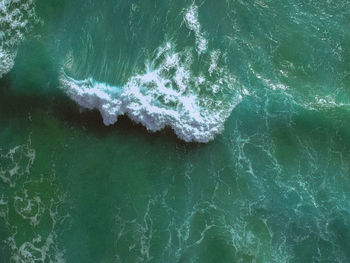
(166, 95)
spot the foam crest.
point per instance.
(17, 19)
(168, 94)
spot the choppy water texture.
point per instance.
(174, 131)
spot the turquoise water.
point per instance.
(174, 131)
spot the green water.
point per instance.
(273, 186)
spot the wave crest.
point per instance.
(169, 94)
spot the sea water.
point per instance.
(174, 131)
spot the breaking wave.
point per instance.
(169, 94)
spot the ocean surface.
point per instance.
(174, 131)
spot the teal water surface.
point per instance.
(272, 186)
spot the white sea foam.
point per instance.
(192, 23)
(166, 95)
(32, 209)
(274, 85)
(7, 60)
(39, 249)
(17, 18)
(17, 164)
(325, 103)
